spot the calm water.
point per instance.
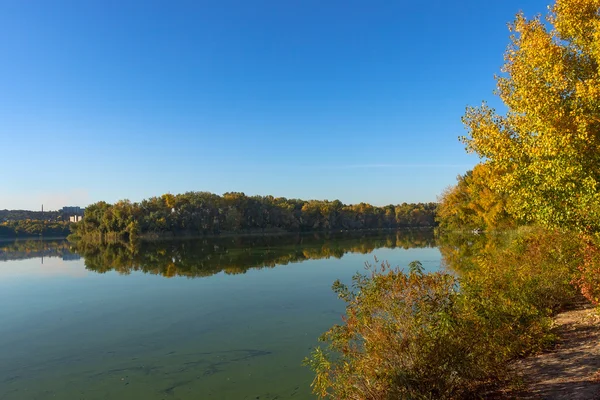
(194, 319)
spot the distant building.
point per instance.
(72, 213)
(72, 210)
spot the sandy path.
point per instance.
(571, 370)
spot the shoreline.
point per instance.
(173, 236)
(38, 237)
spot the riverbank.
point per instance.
(31, 238)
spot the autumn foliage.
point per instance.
(544, 153)
(203, 213)
(444, 335)
(416, 335)
(473, 203)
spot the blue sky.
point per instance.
(312, 99)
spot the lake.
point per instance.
(228, 318)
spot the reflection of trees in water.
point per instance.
(24, 249)
(205, 257)
(462, 251)
(234, 255)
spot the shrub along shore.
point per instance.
(450, 334)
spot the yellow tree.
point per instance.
(472, 203)
(454, 211)
(486, 202)
(545, 151)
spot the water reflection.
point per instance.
(241, 334)
(26, 249)
(206, 257)
(462, 251)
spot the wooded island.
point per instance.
(202, 213)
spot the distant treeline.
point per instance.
(202, 213)
(31, 228)
(21, 215)
(194, 258)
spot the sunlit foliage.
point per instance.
(410, 335)
(201, 213)
(473, 204)
(545, 151)
(588, 279)
(443, 335)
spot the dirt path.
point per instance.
(571, 370)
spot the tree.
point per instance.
(455, 211)
(473, 204)
(194, 213)
(545, 151)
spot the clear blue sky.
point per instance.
(355, 100)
